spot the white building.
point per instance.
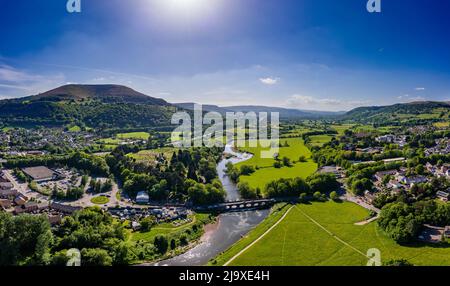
(142, 198)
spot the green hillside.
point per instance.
(103, 106)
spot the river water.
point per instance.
(230, 227)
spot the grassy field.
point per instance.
(341, 128)
(322, 234)
(150, 155)
(74, 128)
(134, 135)
(319, 140)
(266, 172)
(167, 229)
(111, 143)
(443, 124)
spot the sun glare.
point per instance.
(190, 8)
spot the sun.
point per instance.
(191, 8)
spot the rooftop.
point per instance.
(39, 173)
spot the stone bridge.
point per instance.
(243, 205)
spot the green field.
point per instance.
(134, 135)
(150, 155)
(323, 234)
(74, 128)
(319, 140)
(168, 229)
(265, 171)
(341, 128)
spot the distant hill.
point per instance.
(285, 113)
(104, 106)
(402, 112)
(108, 93)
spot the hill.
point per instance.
(100, 106)
(285, 113)
(414, 112)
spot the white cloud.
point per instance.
(298, 99)
(420, 88)
(308, 102)
(269, 80)
(12, 75)
(15, 82)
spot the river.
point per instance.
(230, 227)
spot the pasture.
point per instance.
(325, 234)
(266, 172)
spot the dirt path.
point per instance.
(367, 221)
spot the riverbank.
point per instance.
(275, 214)
(229, 228)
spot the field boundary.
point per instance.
(258, 239)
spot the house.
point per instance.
(381, 174)
(64, 208)
(26, 208)
(5, 203)
(40, 174)
(385, 138)
(135, 225)
(413, 180)
(394, 184)
(142, 198)
(21, 200)
(443, 195)
(6, 186)
(54, 219)
(369, 197)
(8, 193)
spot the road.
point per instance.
(23, 188)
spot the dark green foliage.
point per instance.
(323, 183)
(24, 240)
(102, 106)
(161, 243)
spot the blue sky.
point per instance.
(307, 54)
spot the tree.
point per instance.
(173, 244)
(398, 262)
(323, 183)
(246, 170)
(95, 257)
(147, 223)
(317, 196)
(161, 244)
(246, 191)
(24, 239)
(420, 169)
(287, 162)
(302, 158)
(399, 222)
(334, 196)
